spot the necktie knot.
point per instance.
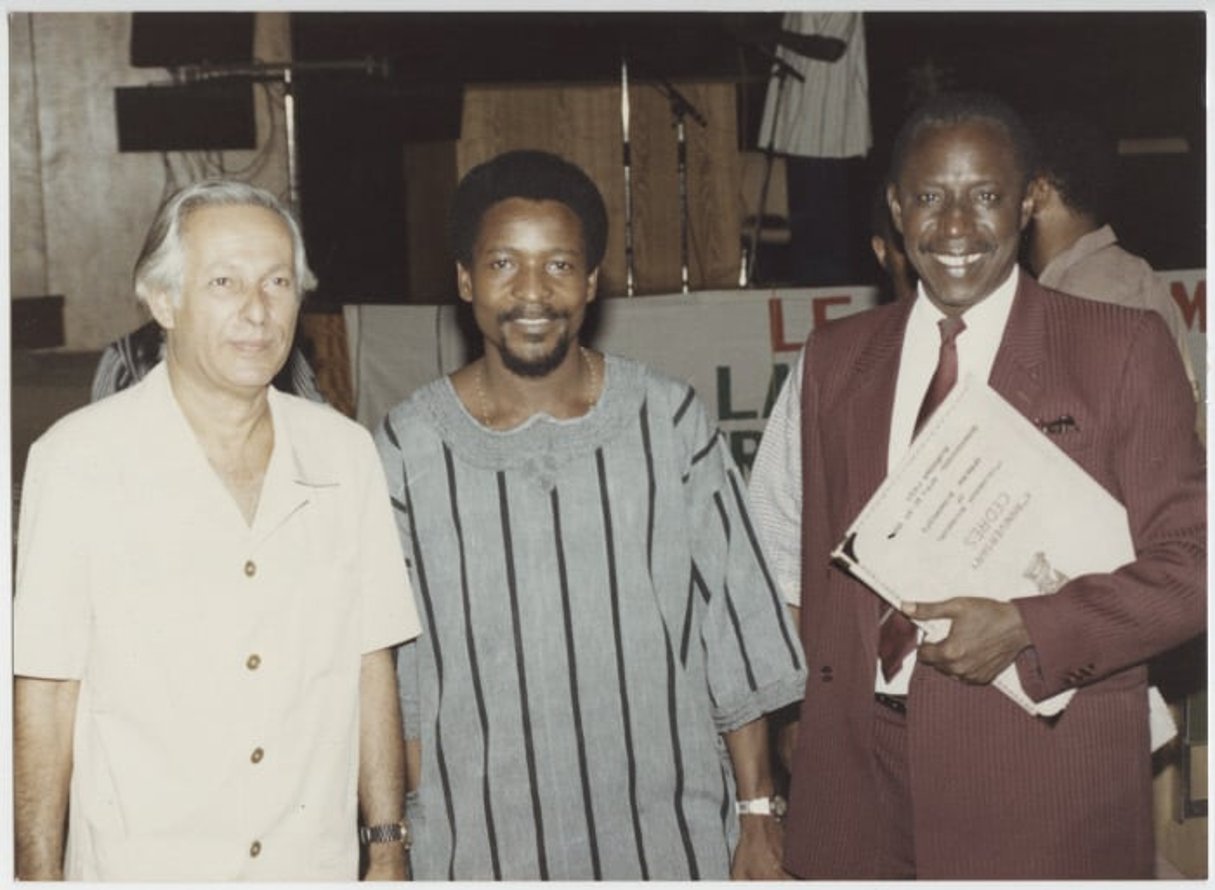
(951, 326)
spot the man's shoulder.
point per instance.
(419, 406)
(417, 420)
(1080, 309)
(840, 342)
(666, 396)
(116, 418)
(860, 325)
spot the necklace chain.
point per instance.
(590, 393)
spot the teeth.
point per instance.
(957, 262)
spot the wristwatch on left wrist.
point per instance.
(388, 833)
(773, 806)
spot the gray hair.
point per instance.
(159, 267)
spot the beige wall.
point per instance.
(79, 208)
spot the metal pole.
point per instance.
(682, 159)
(293, 190)
(628, 177)
(769, 152)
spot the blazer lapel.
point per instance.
(1017, 373)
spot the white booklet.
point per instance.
(985, 504)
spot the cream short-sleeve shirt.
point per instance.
(216, 733)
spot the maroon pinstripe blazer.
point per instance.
(997, 793)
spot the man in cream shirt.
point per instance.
(209, 584)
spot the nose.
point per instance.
(957, 217)
(255, 307)
(531, 283)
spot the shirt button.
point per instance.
(255, 848)
(250, 568)
(253, 662)
(257, 755)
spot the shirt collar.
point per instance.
(1086, 245)
(988, 315)
(298, 457)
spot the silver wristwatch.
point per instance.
(773, 806)
(390, 833)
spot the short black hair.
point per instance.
(535, 176)
(1078, 158)
(962, 107)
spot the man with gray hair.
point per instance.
(209, 584)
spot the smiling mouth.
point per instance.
(955, 261)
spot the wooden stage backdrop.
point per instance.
(583, 124)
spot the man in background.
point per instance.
(1072, 246)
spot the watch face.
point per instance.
(779, 806)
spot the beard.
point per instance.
(538, 366)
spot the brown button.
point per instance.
(255, 848)
(257, 755)
(250, 568)
(253, 662)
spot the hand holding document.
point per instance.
(985, 505)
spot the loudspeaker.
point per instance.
(195, 117)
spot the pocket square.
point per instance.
(1064, 423)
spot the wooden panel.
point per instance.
(324, 336)
(583, 124)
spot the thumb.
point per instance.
(925, 611)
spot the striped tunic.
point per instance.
(595, 614)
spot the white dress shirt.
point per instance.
(775, 489)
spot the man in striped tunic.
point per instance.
(601, 638)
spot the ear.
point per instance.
(592, 286)
(896, 209)
(878, 245)
(163, 309)
(464, 283)
(1040, 194)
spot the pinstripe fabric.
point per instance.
(594, 613)
(997, 794)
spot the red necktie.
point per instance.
(897, 634)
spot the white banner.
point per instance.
(736, 347)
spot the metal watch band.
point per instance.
(761, 806)
(389, 833)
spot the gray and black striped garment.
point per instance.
(595, 613)
(128, 359)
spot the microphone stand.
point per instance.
(782, 70)
(681, 108)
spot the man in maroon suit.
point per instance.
(907, 767)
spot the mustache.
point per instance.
(527, 313)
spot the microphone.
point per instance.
(812, 46)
